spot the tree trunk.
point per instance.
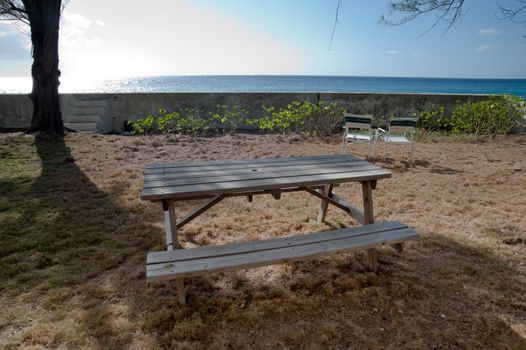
(44, 21)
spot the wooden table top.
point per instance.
(200, 179)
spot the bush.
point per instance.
(192, 122)
(317, 119)
(188, 121)
(433, 119)
(230, 118)
(143, 126)
(497, 115)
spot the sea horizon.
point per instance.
(278, 83)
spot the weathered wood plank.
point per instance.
(182, 192)
(339, 202)
(245, 161)
(170, 225)
(368, 216)
(192, 180)
(250, 170)
(180, 290)
(239, 248)
(191, 268)
(224, 167)
(322, 212)
(356, 213)
(245, 193)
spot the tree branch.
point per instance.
(451, 11)
(516, 15)
(338, 6)
(13, 10)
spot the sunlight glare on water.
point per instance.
(273, 83)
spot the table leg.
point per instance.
(170, 223)
(367, 190)
(327, 189)
(172, 241)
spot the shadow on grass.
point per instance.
(63, 229)
(59, 230)
(438, 294)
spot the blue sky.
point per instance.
(107, 39)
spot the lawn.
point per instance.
(74, 237)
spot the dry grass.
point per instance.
(74, 238)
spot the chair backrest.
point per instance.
(357, 121)
(402, 124)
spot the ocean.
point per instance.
(270, 83)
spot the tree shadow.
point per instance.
(61, 231)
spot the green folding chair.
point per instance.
(358, 127)
(400, 131)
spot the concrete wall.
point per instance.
(15, 110)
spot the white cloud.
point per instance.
(489, 32)
(73, 31)
(100, 23)
(2, 34)
(486, 48)
(183, 39)
(76, 20)
(392, 52)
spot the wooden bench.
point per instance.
(182, 263)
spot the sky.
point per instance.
(120, 38)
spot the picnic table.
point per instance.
(213, 181)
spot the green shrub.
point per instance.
(323, 119)
(167, 122)
(192, 122)
(188, 121)
(497, 115)
(229, 118)
(297, 117)
(433, 119)
(143, 126)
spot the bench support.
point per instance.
(367, 191)
(170, 224)
(337, 201)
(172, 240)
(198, 211)
(276, 194)
(327, 190)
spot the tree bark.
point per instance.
(44, 21)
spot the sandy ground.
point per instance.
(75, 236)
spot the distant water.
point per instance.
(270, 83)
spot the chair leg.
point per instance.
(412, 157)
(385, 151)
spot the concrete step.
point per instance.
(90, 127)
(90, 103)
(83, 118)
(87, 110)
